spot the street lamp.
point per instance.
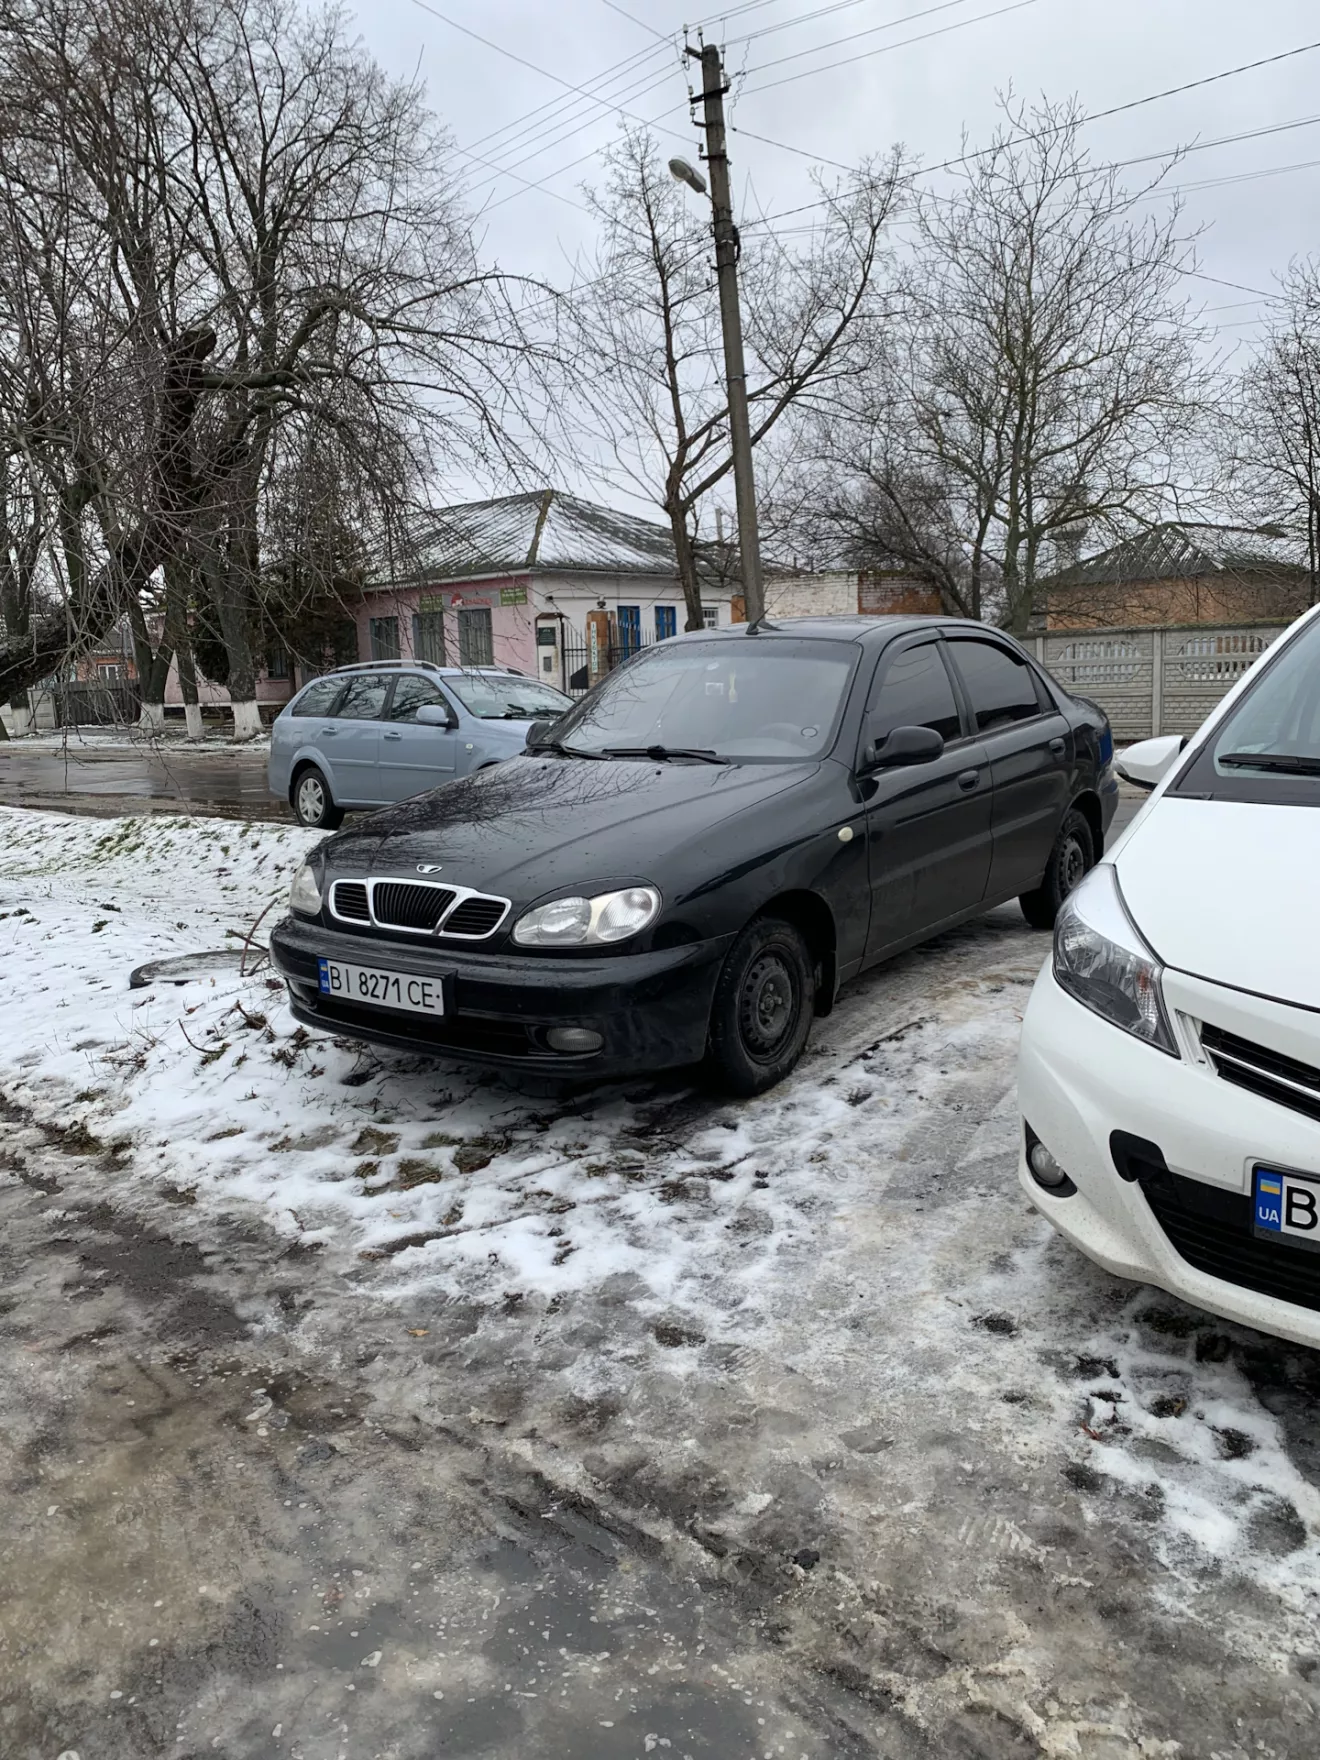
(687, 174)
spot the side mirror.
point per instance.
(436, 715)
(1149, 761)
(536, 733)
(905, 745)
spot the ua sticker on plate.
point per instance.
(1287, 1205)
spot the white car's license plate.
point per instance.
(381, 989)
(1287, 1207)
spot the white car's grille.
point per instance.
(1261, 1071)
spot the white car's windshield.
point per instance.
(504, 697)
(1268, 748)
(757, 699)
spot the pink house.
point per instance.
(515, 582)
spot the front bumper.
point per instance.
(1080, 1080)
(651, 1009)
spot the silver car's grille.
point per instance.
(1269, 1073)
(418, 907)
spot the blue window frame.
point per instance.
(666, 622)
(630, 629)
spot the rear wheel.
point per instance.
(313, 804)
(761, 1015)
(1071, 860)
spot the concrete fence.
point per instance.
(1151, 681)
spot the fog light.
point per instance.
(1044, 1168)
(573, 1039)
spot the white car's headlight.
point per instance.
(1101, 960)
(589, 922)
(305, 894)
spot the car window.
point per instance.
(1002, 689)
(318, 698)
(772, 701)
(915, 691)
(503, 696)
(1267, 749)
(364, 699)
(410, 693)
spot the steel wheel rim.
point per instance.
(1072, 865)
(311, 798)
(767, 1005)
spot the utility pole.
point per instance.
(735, 373)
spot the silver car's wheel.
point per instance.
(312, 802)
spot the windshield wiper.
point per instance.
(557, 745)
(663, 754)
(1287, 763)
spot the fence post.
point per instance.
(1040, 649)
(1156, 683)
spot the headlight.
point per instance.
(305, 894)
(589, 922)
(1101, 960)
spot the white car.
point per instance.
(1169, 1075)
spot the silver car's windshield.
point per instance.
(758, 699)
(504, 697)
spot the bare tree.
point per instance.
(1274, 430)
(1045, 376)
(651, 353)
(275, 248)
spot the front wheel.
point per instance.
(313, 804)
(761, 1015)
(1071, 860)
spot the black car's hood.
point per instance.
(534, 825)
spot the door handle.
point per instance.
(1058, 747)
(329, 732)
(393, 736)
(969, 780)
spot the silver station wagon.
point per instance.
(367, 735)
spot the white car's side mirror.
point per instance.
(1150, 760)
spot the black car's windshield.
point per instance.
(760, 698)
(496, 696)
(1268, 748)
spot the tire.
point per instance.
(1071, 859)
(761, 1014)
(313, 804)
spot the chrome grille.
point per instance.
(349, 900)
(1269, 1073)
(398, 904)
(417, 907)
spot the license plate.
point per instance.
(1287, 1207)
(381, 989)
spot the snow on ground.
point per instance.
(217, 737)
(852, 1247)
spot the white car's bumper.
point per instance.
(1081, 1079)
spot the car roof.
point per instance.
(870, 630)
(423, 666)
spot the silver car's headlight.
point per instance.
(589, 922)
(1101, 960)
(305, 894)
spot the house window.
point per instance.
(277, 663)
(666, 622)
(384, 638)
(630, 630)
(107, 671)
(429, 637)
(476, 640)
(710, 616)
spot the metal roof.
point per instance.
(546, 531)
(1182, 551)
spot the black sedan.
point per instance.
(688, 864)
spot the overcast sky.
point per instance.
(883, 88)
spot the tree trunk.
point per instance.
(687, 565)
(153, 668)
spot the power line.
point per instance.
(873, 30)
(866, 54)
(641, 25)
(824, 11)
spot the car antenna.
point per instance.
(762, 622)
